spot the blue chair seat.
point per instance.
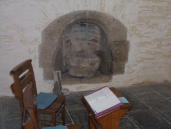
(44, 100)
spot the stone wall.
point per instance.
(148, 32)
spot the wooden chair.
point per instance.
(23, 76)
(31, 117)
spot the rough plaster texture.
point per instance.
(148, 24)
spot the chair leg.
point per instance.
(54, 119)
(63, 114)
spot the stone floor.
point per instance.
(151, 108)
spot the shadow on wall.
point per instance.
(51, 50)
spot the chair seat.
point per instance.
(63, 127)
(55, 106)
(44, 100)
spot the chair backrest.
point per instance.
(31, 117)
(23, 76)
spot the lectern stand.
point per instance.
(109, 120)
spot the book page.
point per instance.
(102, 99)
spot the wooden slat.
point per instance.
(20, 68)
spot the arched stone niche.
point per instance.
(50, 55)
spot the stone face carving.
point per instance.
(80, 44)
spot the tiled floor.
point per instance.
(151, 108)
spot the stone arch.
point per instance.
(115, 31)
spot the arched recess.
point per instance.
(116, 34)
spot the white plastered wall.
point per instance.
(148, 24)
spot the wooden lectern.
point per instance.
(109, 120)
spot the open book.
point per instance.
(102, 101)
